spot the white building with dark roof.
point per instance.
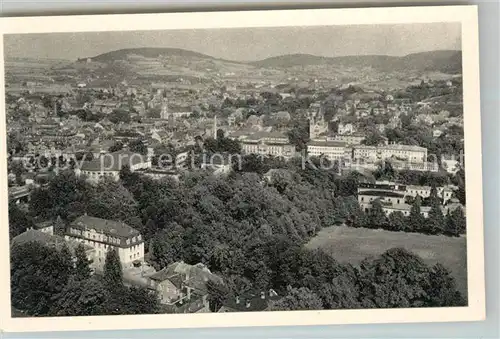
(104, 235)
(109, 165)
(333, 150)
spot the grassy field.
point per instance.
(352, 245)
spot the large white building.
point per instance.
(333, 150)
(104, 235)
(109, 165)
(267, 143)
(409, 153)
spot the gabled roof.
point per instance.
(109, 227)
(46, 239)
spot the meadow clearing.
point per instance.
(352, 245)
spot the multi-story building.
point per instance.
(333, 150)
(104, 235)
(409, 153)
(109, 165)
(263, 143)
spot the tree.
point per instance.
(66, 195)
(340, 293)
(38, 274)
(111, 200)
(377, 217)
(416, 221)
(298, 135)
(397, 221)
(113, 275)
(297, 299)
(82, 269)
(435, 221)
(138, 146)
(442, 291)
(19, 221)
(397, 278)
(455, 223)
(373, 138)
(217, 293)
(82, 298)
(138, 300)
(116, 147)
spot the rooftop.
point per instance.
(108, 227)
(325, 143)
(382, 194)
(47, 240)
(256, 301)
(194, 276)
(113, 161)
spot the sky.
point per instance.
(246, 44)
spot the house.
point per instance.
(180, 284)
(45, 227)
(109, 165)
(104, 235)
(250, 302)
(54, 241)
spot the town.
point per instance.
(168, 187)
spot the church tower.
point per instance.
(311, 127)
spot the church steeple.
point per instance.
(311, 127)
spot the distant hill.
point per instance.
(443, 61)
(149, 52)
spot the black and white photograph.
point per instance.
(272, 169)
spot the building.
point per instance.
(173, 113)
(350, 139)
(104, 235)
(409, 153)
(267, 143)
(250, 302)
(182, 288)
(394, 197)
(54, 241)
(45, 227)
(109, 165)
(333, 150)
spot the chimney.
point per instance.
(237, 299)
(262, 295)
(248, 303)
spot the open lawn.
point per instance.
(352, 245)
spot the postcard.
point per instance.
(241, 168)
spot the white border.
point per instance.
(466, 15)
